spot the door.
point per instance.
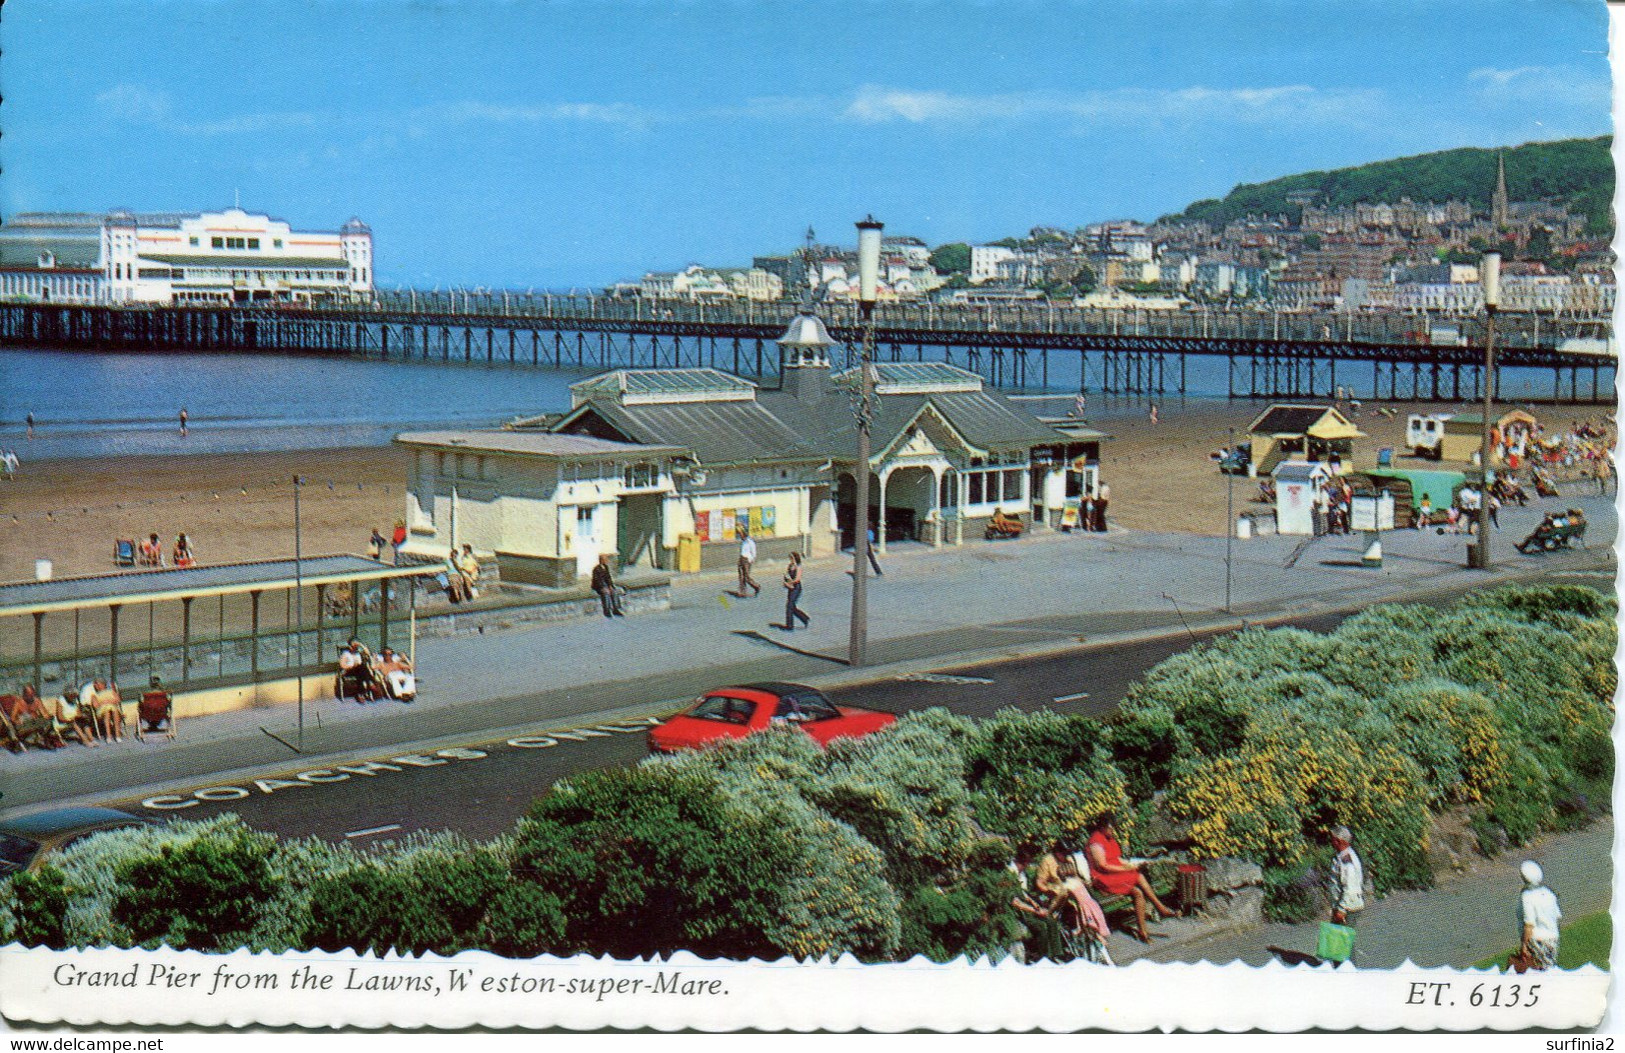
(586, 539)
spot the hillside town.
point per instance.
(1409, 256)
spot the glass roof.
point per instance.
(664, 385)
(920, 377)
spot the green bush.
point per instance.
(903, 790)
(203, 894)
(419, 905)
(1145, 745)
(1297, 893)
(38, 903)
(523, 921)
(971, 916)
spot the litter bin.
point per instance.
(1192, 886)
(688, 553)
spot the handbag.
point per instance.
(1336, 943)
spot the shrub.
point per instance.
(1041, 805)
(902, 790)
(1452, 734)
(1522, 805)
(1198, 689)
(970, 916)
(1297, 893)
(1294, 780)
(1013, 741)
(523, 920)
(39, 908)
(1144, 746)
(411, 905)
(204, 893)
(678, 855)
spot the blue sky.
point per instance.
(539, 144)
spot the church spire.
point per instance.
(1499, 215)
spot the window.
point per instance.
(805, 706)
(976, 487)
(276, 243)
(217, 243)
(253, 243)
(192, 242)
(728, 710)
(641, 475)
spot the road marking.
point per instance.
(373, 830)
(1079, 697)
(943, 678)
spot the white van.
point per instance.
(1424, 433)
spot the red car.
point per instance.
(734, 712)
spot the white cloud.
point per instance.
(877, 103)
(1545, 85)
(132, 102)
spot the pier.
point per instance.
(1268, 354)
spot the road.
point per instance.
(481, 786)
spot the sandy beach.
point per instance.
(240, 506)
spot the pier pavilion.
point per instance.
(668, 468)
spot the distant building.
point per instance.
(223, 257)
(985, 260)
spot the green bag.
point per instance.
(1336, 942)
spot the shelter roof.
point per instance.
(174, 583)
(726, 432)
(1320, 422)
(531, 444)
(633, 386)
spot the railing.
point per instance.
(1513, 329)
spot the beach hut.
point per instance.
(1296, 485)
(1293, 432)
(1464, 434)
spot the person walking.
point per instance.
(30, 425)
(603, 583)
(747, 559)
(184, 418)
(1103, 496)
(1538, 918)
(792, 595)
(397, 539)
(375, 545)
(1348, 878)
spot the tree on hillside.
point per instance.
(952, 258)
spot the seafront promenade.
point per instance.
(932, 608)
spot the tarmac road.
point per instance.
(479, 787)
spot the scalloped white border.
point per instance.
(841, 995)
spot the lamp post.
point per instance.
(868, 278)
(1478, 555)
(299, 605)
(1229, 517)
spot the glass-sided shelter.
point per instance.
(202, 629)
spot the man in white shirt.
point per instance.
(747, 558)
(1539, 915)
(1348, 878)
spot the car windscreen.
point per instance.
(806, 706)
(727, 709)
(16, 852)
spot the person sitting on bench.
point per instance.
(1115, 876)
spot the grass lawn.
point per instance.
(1587, 940)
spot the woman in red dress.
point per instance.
(1113, 877)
